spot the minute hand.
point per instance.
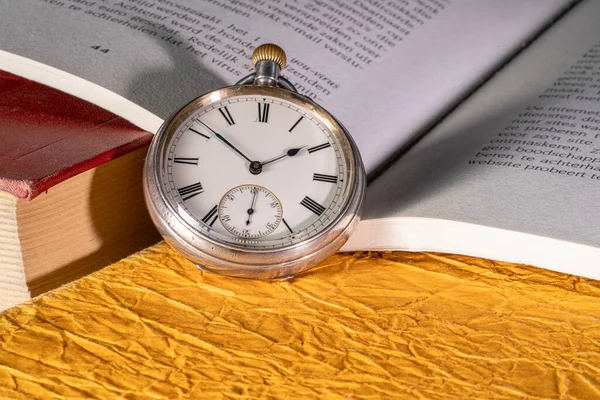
(226, 142)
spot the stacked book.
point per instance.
(70, 189)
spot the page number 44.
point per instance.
(100, 49)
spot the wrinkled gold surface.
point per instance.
(359, 326)
(269, 51)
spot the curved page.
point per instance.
(387, 70)
(521, 155)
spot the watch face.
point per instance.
(255, 171)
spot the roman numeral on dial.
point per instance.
(263, 112)
(312, 205)
(286, 225)
(325, 178)
(211, 216)
(200, 133)
(225, 113)
(187, 192)
(319, 147)
(186, 160)
(295, 125)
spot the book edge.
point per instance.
(28, 190)
(447, 236)
(94, 213)
(80, 88)
(13, 285)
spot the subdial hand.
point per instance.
(251, 209)
(225, 141)
(289, 153)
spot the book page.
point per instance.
(387, 70)
(522, 154)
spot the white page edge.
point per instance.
(446, 236)
(81, 88)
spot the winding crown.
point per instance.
(271, 52)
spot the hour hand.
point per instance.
(289, 153)
(226, 142)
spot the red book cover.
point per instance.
(47, 136)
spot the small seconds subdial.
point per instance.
(250, 211)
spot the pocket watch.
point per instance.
(254, 180)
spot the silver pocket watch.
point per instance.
(254, 180)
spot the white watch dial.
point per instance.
(286, 153)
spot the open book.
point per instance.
(505, 167)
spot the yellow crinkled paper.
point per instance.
(360, 326)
